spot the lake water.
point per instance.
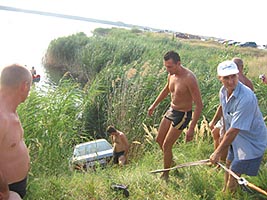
(24, 38)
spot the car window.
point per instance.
(92, 148)
(103, 146)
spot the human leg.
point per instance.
(232, 183)
(216, 137)
(226, 175)
(122, 160)
(116, 156)
(249, 167)
(162, 131)
(171, 137)
(225, 151)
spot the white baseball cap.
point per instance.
(227, 68)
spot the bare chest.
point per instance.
(13, 134)
(116, 140)
(178, 86)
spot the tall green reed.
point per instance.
(52, 125)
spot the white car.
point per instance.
(89, 154)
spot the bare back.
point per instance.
(182, 88)
(14, 155)
(243, 79)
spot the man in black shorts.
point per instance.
(14, 154)
(179, 119)
(120, 145)
(183, 87)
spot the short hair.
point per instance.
(111, 129)
(13, 75)
(172, 55)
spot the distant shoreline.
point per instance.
(73, 17)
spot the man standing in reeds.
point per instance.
(183, 87)
(15, 84)
(120, 145)
(246, 134)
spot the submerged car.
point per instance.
(91, 154)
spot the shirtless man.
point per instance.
(120, 145)
(183, 86)
(241, 76)
(15, 83)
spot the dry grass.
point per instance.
(257, 66)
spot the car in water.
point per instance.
(91, 154)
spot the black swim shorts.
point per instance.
(19, 187)
(179, 119)
(116, 156)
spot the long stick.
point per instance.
(188, 164)
(243, 181)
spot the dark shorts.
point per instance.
(179, 119)
(248, 167)
(19, 187)
(116, 156)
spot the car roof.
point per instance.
(90, 142)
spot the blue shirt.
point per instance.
(241, 111)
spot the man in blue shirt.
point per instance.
(246, 133)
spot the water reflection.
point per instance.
(25, 38)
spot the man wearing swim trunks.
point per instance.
(120, 145)
(15, 85)
(246, 133)
(183, 87)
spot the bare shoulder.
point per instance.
(190, 75)
(122, 134)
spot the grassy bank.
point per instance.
(198, 182)
(112, 78)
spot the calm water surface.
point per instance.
(24, 38)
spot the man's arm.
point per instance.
(224, 144)
(163, 94)
(3, 128)
(196, 97)
(217, 116)
(112, 140)
(125, 143)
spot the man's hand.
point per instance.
(214, 158)
(151, 110)
(189, 135)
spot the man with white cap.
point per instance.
(246, 133)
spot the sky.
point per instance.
(228, 19)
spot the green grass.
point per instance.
(124, 74)
(196, 182)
